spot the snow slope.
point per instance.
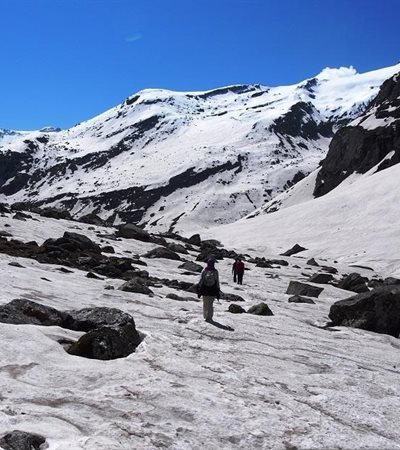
(187, 160)
(356, 223)
(276, 382)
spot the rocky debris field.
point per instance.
(104, 345)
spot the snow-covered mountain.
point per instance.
(187, 160)
(355, 217)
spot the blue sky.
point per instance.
(64, 61)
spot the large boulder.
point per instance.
(297, 288)
(354, 282)
(261, 309)
(131, 231)
(90, 318)
(177, 248)
(21, 311)
(92, 219)
(55, 213)
(71, 242)
(107, 343)
(377, 310)
(300, 299)
(195, 239)
(21, 440)
(162, 252)
(191, 267)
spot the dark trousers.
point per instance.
(240, 278)
(234, 277)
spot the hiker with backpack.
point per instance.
(208, 287)
(238, 271)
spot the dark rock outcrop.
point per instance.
(107, 343)
(90, 318)
(21, 311)
(359, 149)
(236, 309)
(321, 278)
(161, 252)
(295, 249)
(92, 219)
(131, 231)
(300, 299)
(353, 282)
(261, 309)
(136, 285)
(378, 311)
(195, 239)
(297, 288)
(191, 267)
(21, 440)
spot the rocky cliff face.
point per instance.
(371, 141)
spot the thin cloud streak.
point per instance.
(134, 37)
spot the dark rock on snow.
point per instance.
(161, 252)
(295, 249)
(136, 285)
(300, 299)
(354, 282)
(92, 219)
(21, 440)
(177, 248)
(55, 213)
(181, 299)
(90, 318)
(261, 309)
(312, 262)
(231, 297)
(321, 278)
(191, 267)
(236, 309)
(377, 310)
(131, 231)
(21, 311)
(297, 288)
(195, 239)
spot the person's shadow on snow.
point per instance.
(220, 325)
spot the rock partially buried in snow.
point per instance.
(181, 299)
(161, 252)
(131, 231)
(191, 267)
(295, 249)
(353, 282)
(231, 297)
(107, 343)
(300, 299)
(21, 311)
(21, 440)
(261, 309)
(87, 319)
(377, 310)
(297, 288)
(136, 285)
(236, 309)
(321, 278)
(312, 262)
(195, 239)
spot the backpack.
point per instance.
(210, 278)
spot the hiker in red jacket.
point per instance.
(238, 271)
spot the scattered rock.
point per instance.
(177, 248)
(21, 311)
(21, 440)
(109, 287)
(377, 310)
(264, 264)
(55, 213)
(354, 282)
(295, 249)
(321, 278)
(391, 281)
(236, 309)
(312, 262)
(182, 299)
(278, 262)
(88, 319)
(16, 264)
(261, 309)
(195, 239)
(92, 219)
(4, 209)
(161, 252)
(131, 231)
(191, 267)
(231, 297)
(21, 216)
(297, 288)
(136, 285)
(93, 275)
(108, 249)
(107, 343)
(300, 299)
(329, 269)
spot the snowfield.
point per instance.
(278, 382)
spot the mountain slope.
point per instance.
(187, 160)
